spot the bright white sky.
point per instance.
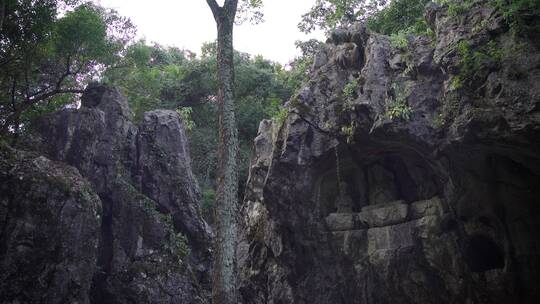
(188, 23)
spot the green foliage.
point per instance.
(397, 106)
(438, 121)
(474, 63)
(329, 14)
(249, 11)
(42, 108)
(348, 131)
(458, 8)
(399, 40)
(83, 32)
(349, 93)
(208, 198)
(381, 16)
(45, 54)
(299, 71)
(300, 66)
(400, 16)
(185, 114)
(155, 77)
(280, 116)
(521, 15)
(399, 109)
(177, 245)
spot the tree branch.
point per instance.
(214, 6)
(41, 95)
(66, 73)
(52, 93)
(230, 7)
(30, 102)
(58, 83)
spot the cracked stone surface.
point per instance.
(439, 207)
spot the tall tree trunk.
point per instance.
(224, 288)
(2, 13)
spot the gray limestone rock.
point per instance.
(384, 214)
(341, 221)
(464, 162)
(148, 194)
(49, 229)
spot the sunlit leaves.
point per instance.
(81, 32)
(52, 47)
(400, 15)
(329, 14)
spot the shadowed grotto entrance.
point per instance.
(351, 180)
(482, 254)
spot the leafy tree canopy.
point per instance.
(153, 76)
(330, 14)
(382, 16)
(399, 16)
(50, 48)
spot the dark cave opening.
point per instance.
(372, 178)
(483, 254)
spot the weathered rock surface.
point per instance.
(49, 223)
(148, 196)
(438, 203)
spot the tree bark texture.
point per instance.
(2, 13)
(224, 287)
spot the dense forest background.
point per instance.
(51, 49)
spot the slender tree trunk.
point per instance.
(2, 13)
(224, 288)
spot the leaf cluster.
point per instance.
(475, 63)
(399, 16)
(50, 48)
(397, 105)
(521, 15)
(329, 14)
(249, 11)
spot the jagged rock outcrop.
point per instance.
(49, 223)
(151, 244)
(399, 175)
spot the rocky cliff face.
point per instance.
(49, 228)
(401, 174)
(147, 243)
